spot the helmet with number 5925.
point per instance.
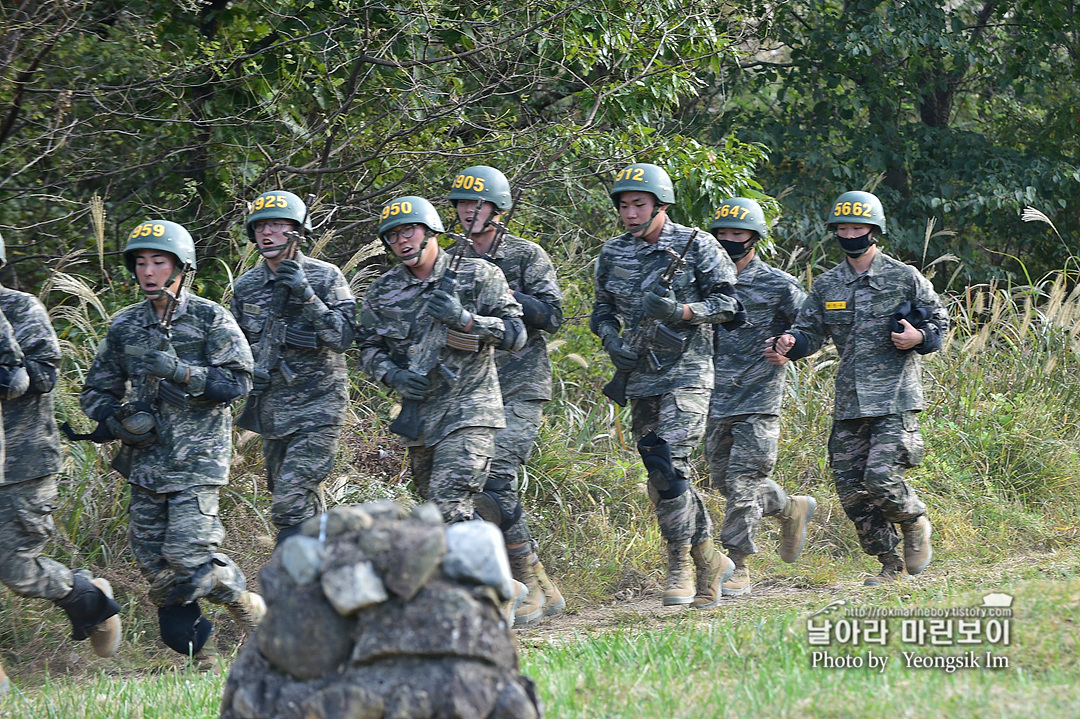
(740, 213)
(276, 205)
(161, 235)
(856, 207)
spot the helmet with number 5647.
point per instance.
(276, 205)
(740, 213)
(483, 183)
(857, 207)
(643, 177)
(406, 211)
(161, 235)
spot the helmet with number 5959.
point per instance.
(161, 235)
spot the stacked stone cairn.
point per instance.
(375, 612)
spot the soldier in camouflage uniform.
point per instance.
(876, 310)
(458, 416)
(669, 384)
(744, 413)
(162, 383)
(29, 369)
(480, 194)
(297, 404)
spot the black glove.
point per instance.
(446, 308)
(131, 438)
(621, 356)
(165, 366)
(291, 274)
(409, 384)
(663, 307)
(260, 380)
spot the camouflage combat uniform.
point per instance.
(875, 435)
(28, 491)
(458, 420)
(173, 525)
(744, 413)
(524, 376)
(673, 400)
(301, 420)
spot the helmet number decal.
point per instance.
(733, 211)
(263, 202)
(853, 209)
(146, 229)
(633, 174)
(397, 208)
(469, 182)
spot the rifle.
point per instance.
(651, 330)
(424, 355)
(275, 335)
(501, 229)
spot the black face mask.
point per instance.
(736, 250)
(856, 246)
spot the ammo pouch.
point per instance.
(462, 341)
(301, 339)
(172, 394)
(669, 338)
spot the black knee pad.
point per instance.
(488, 504)
(86, 607)
(655, 452)
(184, 629)
(284, 534)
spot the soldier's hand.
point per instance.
(166, 366)
(135, 439)
(910, 338)
(260, 380)
(622, 356)
(409, 384)
(663, 307)
(446, 308)
(772, 355)
(292, 275)
(14, 381)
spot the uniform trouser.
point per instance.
(453, 470)
(742, 454)
(26, 525)
(173, 535)
(869, 457)
(296, 467)
(513, 445)
(679, 418)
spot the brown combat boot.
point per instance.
(523, 569)
(680, 586)
(917, 549)
(738, 583)
(5, 684)
(554, 604)
(247, 611)
(207, 660)
(793, 520)
(713, 569)
(892, 570)
(105, 639)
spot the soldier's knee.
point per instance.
(498, 504)
(183, 627)
(667, 481)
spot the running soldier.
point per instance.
(29, 369)
(668, 382)
(300, 387)
(743, 430)
(162, 383)
(480, 195)
(405, 314)
(876, 310)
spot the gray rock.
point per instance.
(303, 636)
(428, 513)
(353, 587)
(409, 703)
(343, 701)
(476, 553)
(405, 553)
(339, 520)
(302, 558)
(516, 702)
(385, 509)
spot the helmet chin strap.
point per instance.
(157, 294)
(644, 227)
(428, 234)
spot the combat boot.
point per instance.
(5, 684)
(521, 592)
(105, 639)
(247, 611)
(892, 570)
(738, 583)
(523, 569)
(207, 660)
(680, 587)
(554, 604)
(713, 569)
(917, 549)
(793, 520)
(92, 611)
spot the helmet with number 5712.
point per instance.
(856, 207)
(276, 205)
(161, 235)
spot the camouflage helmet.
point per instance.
(643, 177)
(484, 183)
(857, 207)
(161, 235)
(276, 205)
(407, 210)
(740, 213)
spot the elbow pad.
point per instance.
(222, 386)
(738, 317)
(535, 313)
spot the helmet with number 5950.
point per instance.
(856, 207)
(408, 210)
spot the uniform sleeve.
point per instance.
(715, 276)
(937, 325)
(541, 282)
(40, 347)
(791, 302)
(106, 380)
(230, 362)
(498, 317)
(332, 312)
(236, 309)
(605, 319)
(375, 357)
(809, 329)
(11, 355)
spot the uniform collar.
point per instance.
(873, 273)
(441, 263)
(150, 318)
(753, 268)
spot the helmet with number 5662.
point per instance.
(856, 207)
(161, 235)
(276, 205)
